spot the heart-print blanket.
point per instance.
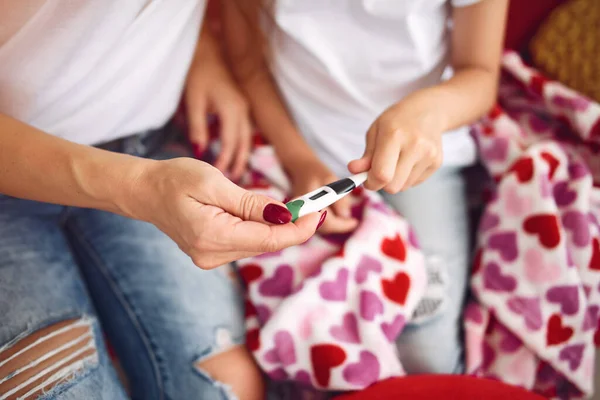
(537, 269)
(326, 313)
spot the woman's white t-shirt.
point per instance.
(340, 63)
(94, 70)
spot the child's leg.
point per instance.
(438, 211)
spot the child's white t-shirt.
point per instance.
(340, 63)
(94, 70)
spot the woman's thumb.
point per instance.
(250, 206)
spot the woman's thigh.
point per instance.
(163, 315)
(438, 211)
(50, 339)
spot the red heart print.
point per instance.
(488, 130)
(358, 191)
(253, 340)
(477, 261)
(595, 132)
(249, 309)
(545, 226)
(397, 289)
(250, 273)
(597, 335)
(595, 260)
(324, 357)
(557, 333)
(258, 140)
(523, 168)
(495, 112)
(552, 163)
(537, 84)
(394, 248)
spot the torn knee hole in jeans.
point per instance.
(223, 342)
(39, 362)
(436, 295)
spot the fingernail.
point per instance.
(323, 216)
(286, 200)
(198, 150)
(276, 214)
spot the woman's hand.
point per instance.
(210, 88)
(209, 217)
(404, 147)
(310, 175)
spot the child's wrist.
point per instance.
(429, 105)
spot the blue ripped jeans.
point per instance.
(91, 273)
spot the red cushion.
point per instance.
(448, 387)
(524, 17)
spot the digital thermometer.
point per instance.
(324, 196)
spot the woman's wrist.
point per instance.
(135, 190)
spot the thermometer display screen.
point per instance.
(318, 195)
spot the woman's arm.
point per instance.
(244, 47)
(42, 167)
(404, 144)
(210, 218)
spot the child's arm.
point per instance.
(404, 145)
(245, 46)
(245, 49)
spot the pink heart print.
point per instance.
(578, 224)
(514, 204)
(283, 351)
(364, 372)
(335, 290)
(366, 265)
(566, 296)
(563, 195)
(537, 270)
(347, 331)
(572, 355)
(370, 305)
(493, 279)
(392, 329)
(590, 320)
(506, 244)
(529, 308)
(497, 150)
(488, 221)
(280, 285)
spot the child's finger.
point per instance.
(342, 208)
(336, 224)
(385, 159)
(243, 150)
(416, 174)
(364, 163)
(198, 127)
(406, 163)
(229, 139)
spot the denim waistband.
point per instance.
(143, 144)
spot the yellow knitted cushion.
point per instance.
(567, 46)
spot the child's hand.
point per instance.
(404, 147)
(313, 175)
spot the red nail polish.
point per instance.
(323, 216)
(198, 150)
(286, 200)
(276, 214)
